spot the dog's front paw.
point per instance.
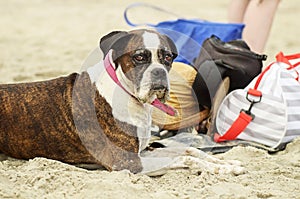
(164, 159)
(215, 167)
(213, 164)
(228, 167)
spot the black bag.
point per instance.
(217, 60)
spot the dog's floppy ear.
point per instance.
(172, 46)
(108, 41)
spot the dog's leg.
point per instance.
(161, 160)
(3, 157)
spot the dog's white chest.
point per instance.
(125, 108)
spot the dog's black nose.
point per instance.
(158, 73)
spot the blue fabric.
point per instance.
(189, 35)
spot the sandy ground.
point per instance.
(41, 39)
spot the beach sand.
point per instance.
(41, 39)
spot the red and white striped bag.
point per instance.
(267, 111)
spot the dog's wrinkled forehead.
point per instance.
(124, 42)
(150, 40)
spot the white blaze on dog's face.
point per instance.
(154, 82)
(143, 59)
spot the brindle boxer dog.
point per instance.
(101, 116)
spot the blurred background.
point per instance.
(40, 39)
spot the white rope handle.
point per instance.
(148, 6)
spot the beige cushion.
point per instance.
(182, 99)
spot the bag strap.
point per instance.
(236, 128)
(280, 57)
(244, 118)
(134, 5)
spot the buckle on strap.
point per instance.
(256, 98)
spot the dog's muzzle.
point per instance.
(154, 85)
(160, 84)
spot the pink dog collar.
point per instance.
(110, 69)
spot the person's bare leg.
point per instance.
(258, 19)
(236, 10)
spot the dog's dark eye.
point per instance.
(168, 58)
(140, 57)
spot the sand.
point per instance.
(41, 39)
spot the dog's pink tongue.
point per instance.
(164, 107)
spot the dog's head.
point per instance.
(143, 59)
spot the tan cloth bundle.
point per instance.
(182, 98)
